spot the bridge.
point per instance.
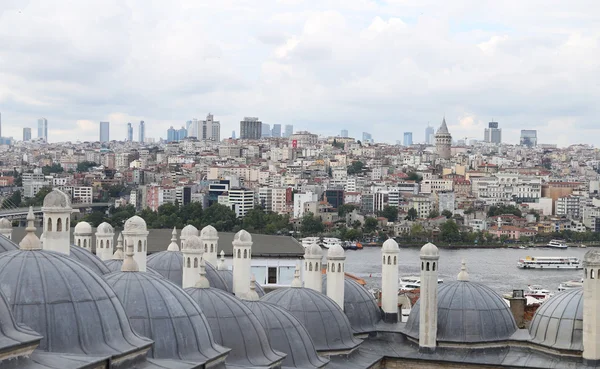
(21, 213)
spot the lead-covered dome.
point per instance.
(233, 325)
(321, 316)
(135, 224)
(558, 322)
(226, 276)
(468, 312)
(88, 259)
(359, 306)
(15, 339)
(165, 313)
(57, 199)
(288, 335)
(169, 264)
(82, 228)
(72, 307)
(7, 245)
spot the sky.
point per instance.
(380, 66)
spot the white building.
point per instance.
(241, 200)
(300, 199)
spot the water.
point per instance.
(496, 268)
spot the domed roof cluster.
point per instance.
(83, 228)
(57, 199)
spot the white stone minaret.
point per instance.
(173, 245)
(57, 222)
(210, 239)
(30, 241)
(313, 257)
(336, 259)
(428, 300)
(591, 308)
(105, 235)
(186, 232)
(242, 263)
(119, 253)
(136, 234)
(389, 280)
(222, 265)
(193, 253)
(82, 234)
(6, 228)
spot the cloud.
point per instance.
(382, 66)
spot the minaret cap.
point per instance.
(297, 283)
(222, 265)
(463, 275)
(203, 281)
(252, 295)
(119, 255)
(129, 264)
(173, 245)
(429, 251)
(31, 240)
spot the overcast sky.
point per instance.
(381, 66)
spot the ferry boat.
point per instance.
(309, 241)
(331, 241)
(557, 244)
(412, 283)
(569, 285)
(550, 262)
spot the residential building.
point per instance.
(43, 129)
(142, 132)
(33, 182)
(241, 201)
(26, 134)
(421, 203)
(250, 128)
(493, 134)
(209, 129)
(446, 201)
(299, 200)
(303, 139)
(172, 135)
(408, 139)
(79, 194)
(334, 197)
(279, 200)
(104, 132)
(569, 206)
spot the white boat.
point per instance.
(330, 241)
(309, 241)
(412, 283)
(568, 285)
(538, 292)
(550, 262)
(557, 244)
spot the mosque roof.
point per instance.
(88, 259)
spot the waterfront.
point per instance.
(496, 268)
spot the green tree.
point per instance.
(449, 231)
(13, 201)
(95, 218)
(417, 231)
(221, 217)
(413, 176)
(370, 225)
(390, 212)
(447, 214)
(412, 214)
(345, 209)
(503, 209)
(85, 166)
(311, 225)
(433, 214)
(254, 220)
(54, 168)
(38, 199)
(356, 167)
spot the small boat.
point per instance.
(550, 262)
(557, 244)
(538, 292)
(568, 285)
(412, 283)
(309, 241)
(359, 246)
(582, 246)
(348, 245)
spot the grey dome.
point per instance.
(227, 277)
(321, 316)
(233, 325)
(115, 265)
(359, 306)
(558, 322)
(169, 264)
(467, 312)
(57, 199)
(72, 307)
(89, 260)
(287, 335)
(7, 245)
(14, 336)
(160, 310)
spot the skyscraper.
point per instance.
(43, 129)
(129, 132)
(265, 130)
(344, 133)
(289, 130)
(210, 129)
(366, 137)
(26, 134)
(233, 135)
(429, 135)
(250, 128)
(276, 131)
(171, 134)
(408, 139)
(0, 124)
(142, 131)
(104, 131)
(528, 137)
(492, 134)
(181, 134)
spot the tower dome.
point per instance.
(209, 232)
(193, 243)
(288, 335)
(103, 228)
(189, 230)
(160, 310)
(242, 236)
(468, 312)
(558, 322)
(89, 260)
(6, 228)
(83, 228)
(56, 199)
(320, 315)
(359, 306)
(135, 224)
(234, 325)
(335, 251)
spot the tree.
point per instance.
(85, 166)
(356, 167)
(254, 220)
(447, 214)
(413, 176)
(38, 199)
(449, 231)
(54, 168)
(433, 214)
(503, 209)
(311, 225)
(13, 201)
(412, 214)
(345, 209)
(339, 145)
(221, 217)
(390, 212)
(370, 225)
(417, 230)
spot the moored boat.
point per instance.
(568, 285)
(550, 262)
(557, 244)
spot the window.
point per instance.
(140, 246)
(84, 243)
(339, 267)
(188, 262)
(310, 267)
(260, 273)
(108, 244)
(59, 225)
(286, 275)
(212, 248)
(427, 267)
(79, 242)
(195, 262)
(239, 254)
(50, 224)
(272, 275)
(101, 244)
(434, 266)
(245, 254)
(389, 260)
(316, 266)
(395, 260)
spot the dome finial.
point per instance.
(297, 283)
(30, 241)
(129, 264)
(118, 255)
(173, 245)
(203, 281)
(252, 295)
(463, 275)
(222, 265)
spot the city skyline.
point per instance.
(494, 66)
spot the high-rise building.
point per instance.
(211, 129)
(367, 137)
(276, 131)
(233, 135)
(443, 141)
(43, 129)
(266, 130)
(104, 131)
(528, 137)
(289, 130)
(408, 139)
(181, 134)
(493, 134)
(26, 134)
(142, 132)
(172, 134)
(429, 135)
(250, 128)
(129, 132)
(0, 124)
(344, 133)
